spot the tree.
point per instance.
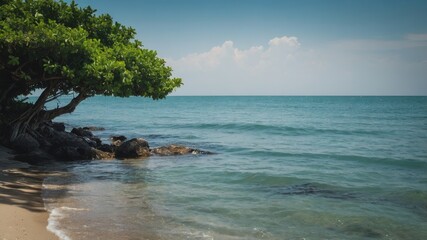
(64, 49)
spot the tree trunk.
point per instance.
(24, 121)
(4, 94)
(30, 119)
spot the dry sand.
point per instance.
(22, 212)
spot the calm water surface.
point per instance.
(285, 168)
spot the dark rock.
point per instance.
(87, 136)
(66, 146)
(97, 140)
(176, 150)
(101, 155)
(91, 142)
(58, 126)
(25, 143)
(118, 138)
(46, 131)
(35, 158)
(134, 148)
(107, 148)
(93, 128)
(72, 153)
(67, 139)
(82, 132)
(116, 143)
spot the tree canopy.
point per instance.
(64, 49)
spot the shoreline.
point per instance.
(23, 215)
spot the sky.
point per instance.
(269, 47)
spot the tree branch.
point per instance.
(22, 66)
(57, 94)
(45, 79)
(37, 106)
(70, 107)
(53, 78)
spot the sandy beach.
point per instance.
(22, 210)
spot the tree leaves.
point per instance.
(13, 61)
(43, 40)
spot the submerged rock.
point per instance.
(363, 231)
(176, 150)
(313, 189)
(101, 155)
(134, 148)
(93, 128)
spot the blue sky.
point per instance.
(262, 47)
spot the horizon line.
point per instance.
(298, 95)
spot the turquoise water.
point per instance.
(284, 168)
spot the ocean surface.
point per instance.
(284, 168)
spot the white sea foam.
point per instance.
(198, 235)
(55, 217)
(53, 223)
(53, 188)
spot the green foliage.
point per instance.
(64, 48)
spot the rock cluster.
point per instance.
(176, 150)
(52, 143)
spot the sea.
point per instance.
(284, 167)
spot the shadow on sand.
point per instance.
(22, 188)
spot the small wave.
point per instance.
(232, 126)
(276, 130)
(53, 224)
(407, 163)
(198, 235)
(73, 209)
(55, 216)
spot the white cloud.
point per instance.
(284, 66)
(206, 60)
(284, 41)
(249, 56)
(228, 54)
